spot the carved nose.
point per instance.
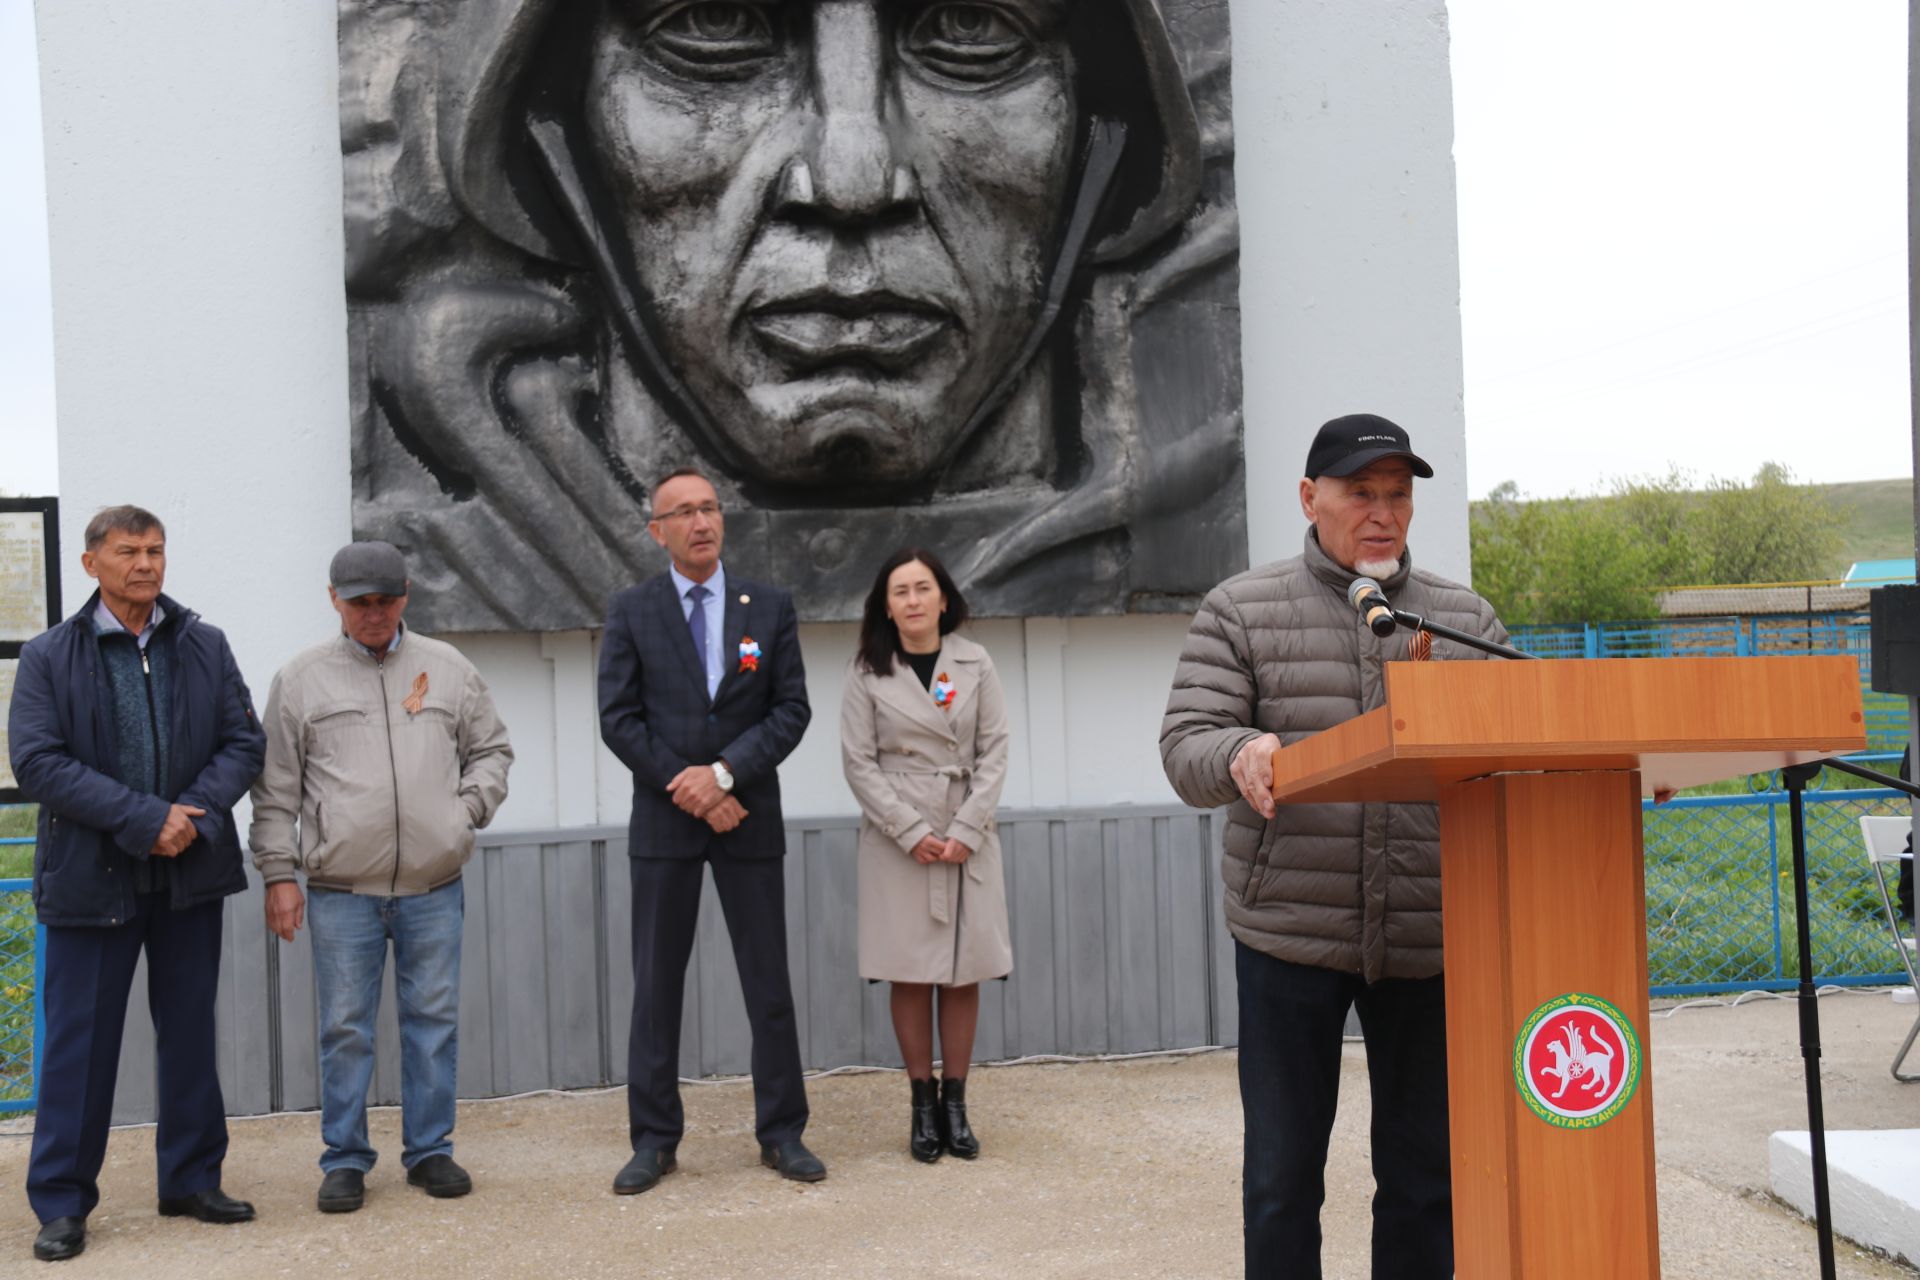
(855, 166)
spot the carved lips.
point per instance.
(884, 330)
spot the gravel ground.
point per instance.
(1089, 1170)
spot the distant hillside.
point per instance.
(1878, 518)
(1876, 521)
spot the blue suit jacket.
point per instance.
(655, 715)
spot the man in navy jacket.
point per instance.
(132, 728)
(702, 695)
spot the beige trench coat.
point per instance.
(918, 770)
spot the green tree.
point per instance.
(1562, 559)
(1772, 530)
(1608, 557)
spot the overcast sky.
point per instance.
(1682, 241)
(1682, 238)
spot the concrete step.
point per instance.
(1874, 1176)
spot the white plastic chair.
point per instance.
(1886, 838)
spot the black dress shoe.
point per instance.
(440, 1178)
(644, 1171)
(62, 1238)
(954, 1128)
(794, 1161)
(923, 1137)
(208, 1206)
(342, 1191)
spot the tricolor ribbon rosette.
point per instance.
(942, 691)
(749, 654)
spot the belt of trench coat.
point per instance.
(939, 905)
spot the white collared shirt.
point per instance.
(716, 609)
(392, 644)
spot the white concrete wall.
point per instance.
(199, 321)
(200, 354)
(1349, 257)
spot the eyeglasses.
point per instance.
(711, 510)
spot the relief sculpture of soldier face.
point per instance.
(966, 267)
(841, 213)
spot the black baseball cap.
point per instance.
(1347, 444)
(368, 569)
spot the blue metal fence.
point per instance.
(1764, 634)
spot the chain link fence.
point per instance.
(1720, 892)
(19, 980)
(20, 952)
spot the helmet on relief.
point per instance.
(494, 54)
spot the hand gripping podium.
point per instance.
(1539, 769)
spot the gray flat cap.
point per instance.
(368, 569)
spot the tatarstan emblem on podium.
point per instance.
(1577, 1061)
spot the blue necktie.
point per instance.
(697, 624)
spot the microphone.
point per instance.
(1366, 596)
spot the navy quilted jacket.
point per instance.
(93, 829)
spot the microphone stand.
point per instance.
(1419, 623)
(1795, 777)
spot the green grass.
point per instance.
(16, 860)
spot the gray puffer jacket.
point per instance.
(1353, 887)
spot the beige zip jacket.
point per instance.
(379, 770)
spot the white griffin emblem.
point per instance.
(1573, 1061)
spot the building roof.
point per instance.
(1880, 572)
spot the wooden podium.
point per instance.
(1539, 769)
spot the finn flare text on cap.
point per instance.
(1358, 440)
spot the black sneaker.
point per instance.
(440, 1177)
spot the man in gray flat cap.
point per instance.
(384, 755)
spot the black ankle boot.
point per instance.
(923, 1139)
(954, 1129)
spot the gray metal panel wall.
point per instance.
(1120, 946)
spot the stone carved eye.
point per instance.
(971, 42)
(713, 36)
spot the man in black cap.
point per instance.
(1331, 906)
(384, 755)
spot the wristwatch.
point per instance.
(723, 775)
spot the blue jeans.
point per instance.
(350, 933)
(1291, 1017)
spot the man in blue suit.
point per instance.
(131, 726)
(702, 695)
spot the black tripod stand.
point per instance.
(1796, 778)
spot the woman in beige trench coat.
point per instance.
(923, 739)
